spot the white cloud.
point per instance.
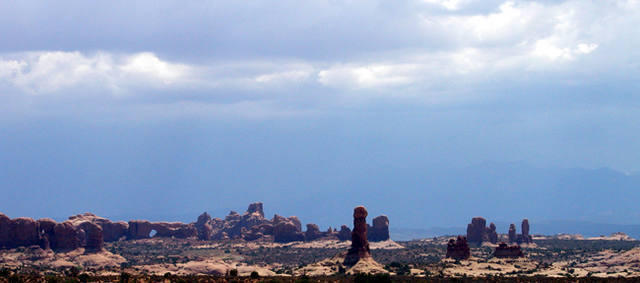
(449, 4)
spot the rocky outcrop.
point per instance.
(477, 231)
(512, 233)
(525, 237)
(312, 233)
(493, 234)
(24, 232)
(91, 231)
(111, 231)
(139, 229)
(174, 230)
(458, 248)
(94, 239)
(344, 234)
(359, 243)
(65, 237)
(380, 229)
(256, 208)
(5, 228)
(203, 225)
(286, 230)
(503, 250)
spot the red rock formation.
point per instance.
(286, 230)
(94, 239)
(504, 250)
(174, 229)
(345, 233)
(24, 232)
(5, 228)
(139, 229)
(512, 233)
(458, 248)
(492, 233)
(526, 238)
(476, 231)
(65, 237)
(380, 229)
(359, 244)
(256, 207)
(205, 230)
(312, 233)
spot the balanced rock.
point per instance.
(359, 243)
(458, 248)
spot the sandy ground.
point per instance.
(48, 259)
(333, 265)
(325, 244)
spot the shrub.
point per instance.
(255, 275)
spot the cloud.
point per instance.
(409, 51)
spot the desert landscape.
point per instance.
(250, 247)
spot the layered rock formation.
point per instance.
(512, 233)
(90, 231)
(520, 238)
(380, 229)
(359, 243)
(478, 232)
(458, 248)
(503, 250)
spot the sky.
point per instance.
(165, 109)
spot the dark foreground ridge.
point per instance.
(90, 231)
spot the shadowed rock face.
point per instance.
(458, 248)
(380, 229)
(476, 230)
(312, 233)
(512, 233)
(94, 239)
(5, 226)
(286, 230)
(24, 232)
(65, 237)
(493, 234)
(525, 238)
(503, 250)
(345, 233)
(359, 243)
(256, 208)
(203, 225)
